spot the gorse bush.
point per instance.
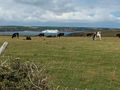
(22, 76)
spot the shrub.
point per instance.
(22, 76)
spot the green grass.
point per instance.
(73, 62)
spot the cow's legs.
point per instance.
(94, 37)
(100, 37)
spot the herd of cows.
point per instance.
(94, 35)
(57, 35)
(16, 35)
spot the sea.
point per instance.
(26, 33)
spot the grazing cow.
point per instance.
(97, 34)
(28, 38)
(15, 35)
(90, 34)
(60, 34)
(118, 35)
(41, 35)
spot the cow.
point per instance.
(41, 35)
(28, 38)
(118, 35)
(90, 34)
(15, 35)
(60, 34)
(97, 34)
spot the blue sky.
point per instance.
(80, 13)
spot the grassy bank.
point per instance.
(73, 62)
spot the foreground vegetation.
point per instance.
(15, 75)
(72, 62)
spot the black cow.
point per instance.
(60, 34)
(89, 34)
(118, 35)
(28, 38)
(15, 35)
(41, 35)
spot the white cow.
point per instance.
(97, 34)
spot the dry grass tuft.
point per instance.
(22, 76)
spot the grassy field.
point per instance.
(76, 63)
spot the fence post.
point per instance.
(3, 47)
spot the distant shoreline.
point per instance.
(41, 28)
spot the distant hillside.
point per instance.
(35, 28)
(40, 28)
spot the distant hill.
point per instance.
(40, 28)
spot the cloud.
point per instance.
(90, 11)
(49, 5)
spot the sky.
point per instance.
(76, 13)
